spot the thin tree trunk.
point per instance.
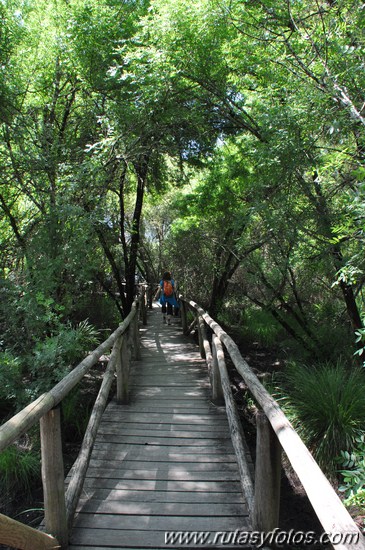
(324, 221)
(141, 168)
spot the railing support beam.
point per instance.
(184, 318)
(122, 370)
(201, 331)
(133, 336)
(267, 477)
(216, 383)
(53, 477)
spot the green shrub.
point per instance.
(75, 341)
(352, 470)
(10, 377)
(19, 470)
(53, 358)
(326, 404)
(260, 326)
(76, 409)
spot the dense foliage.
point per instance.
(222, 140)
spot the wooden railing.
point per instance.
(60, 506)
(274, 435)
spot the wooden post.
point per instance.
(150, 294)
(200, 324)
(122, 369)
(207, 351)
(217, 390)
(133, 336)
(184, 320)
(144, 307)
(135, 332)
(267, 477)
(53, 477)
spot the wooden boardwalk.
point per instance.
(164, 462)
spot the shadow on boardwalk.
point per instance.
(164, 462)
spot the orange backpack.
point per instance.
(168, 289)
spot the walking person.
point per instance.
(167, 296)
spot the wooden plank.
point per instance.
(169, 406)
(168, 375)
(178, 417)
(179, 378)
(158, 393)
(190, 509)
(178, 497)
(166, 407)
(112, 426)
(140, 464)
(155, 362)
(195, 371)
(158, 523)
(163, 415)
(152, 485)
(167, 424)
(112, 538)
(177, 389)
(166, 430)
(160, 474)
(173, 457)
(161, 431)
(169, 442)
(161, 450)
(166, 417)
(187, 417)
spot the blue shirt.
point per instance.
(170, 299)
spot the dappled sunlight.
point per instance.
(165, 458)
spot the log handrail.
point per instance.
(22, 536)
(79, 468)
(235, 426)
(332, 514)
(18, 535)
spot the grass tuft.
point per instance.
(326, 404)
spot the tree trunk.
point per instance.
(141, 168)
(324, 221)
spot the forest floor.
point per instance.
(296, 512)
